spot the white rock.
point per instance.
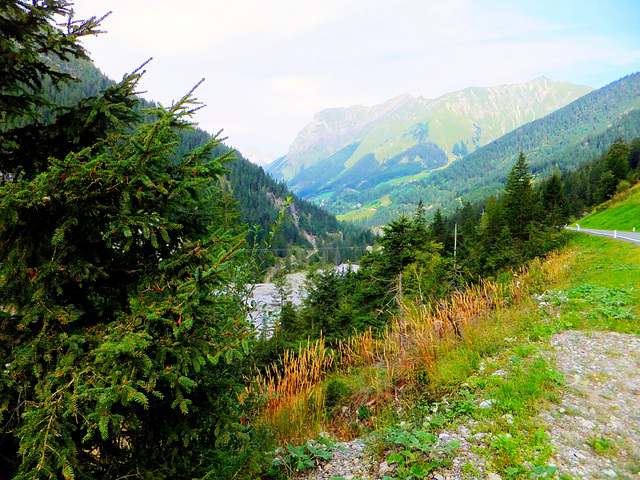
(508, 417)
(384, 468)
(486, 404)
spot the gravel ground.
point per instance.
(601, 400)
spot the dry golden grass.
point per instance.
(293, 391)
(414, 341)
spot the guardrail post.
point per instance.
(615, 234)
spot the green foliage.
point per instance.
(123, 337)
(610, 303)
(295, 459)
(634, 153)
(602, 446)
(554, 203)
(32, 46)
(417, 452)
(617, 159)
(606, 187)
(518, 199)
(522, 391)
(335, 392)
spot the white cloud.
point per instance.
(271, 64)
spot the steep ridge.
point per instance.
(564, 139)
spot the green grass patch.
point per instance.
(603, 290)
(619, 213)
(356, 215)
(366, 211)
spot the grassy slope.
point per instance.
(595, 288)
(596, 291)
(622, 212)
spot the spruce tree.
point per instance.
(120, 333)
(554, 203)
(617, 160)
(30, 49)
(518, 203)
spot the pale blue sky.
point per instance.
(271, 64)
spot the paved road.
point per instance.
(633, 237)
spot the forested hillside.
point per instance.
(255, 196)
(564, 139)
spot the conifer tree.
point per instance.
(31, 47)
(634, 153)
(439, 231)
(518, 203)
(554, 204)
(617, 160)
(420, 216)
(120, 334)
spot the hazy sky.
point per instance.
(271, 64)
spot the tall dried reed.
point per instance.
(426, 331)
(295, 407)
(293, 392)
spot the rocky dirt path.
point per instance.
(594, 431)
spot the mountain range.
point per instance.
(359, 147)
(368, 164)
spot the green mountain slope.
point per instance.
(563, 139)
(359, 148)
